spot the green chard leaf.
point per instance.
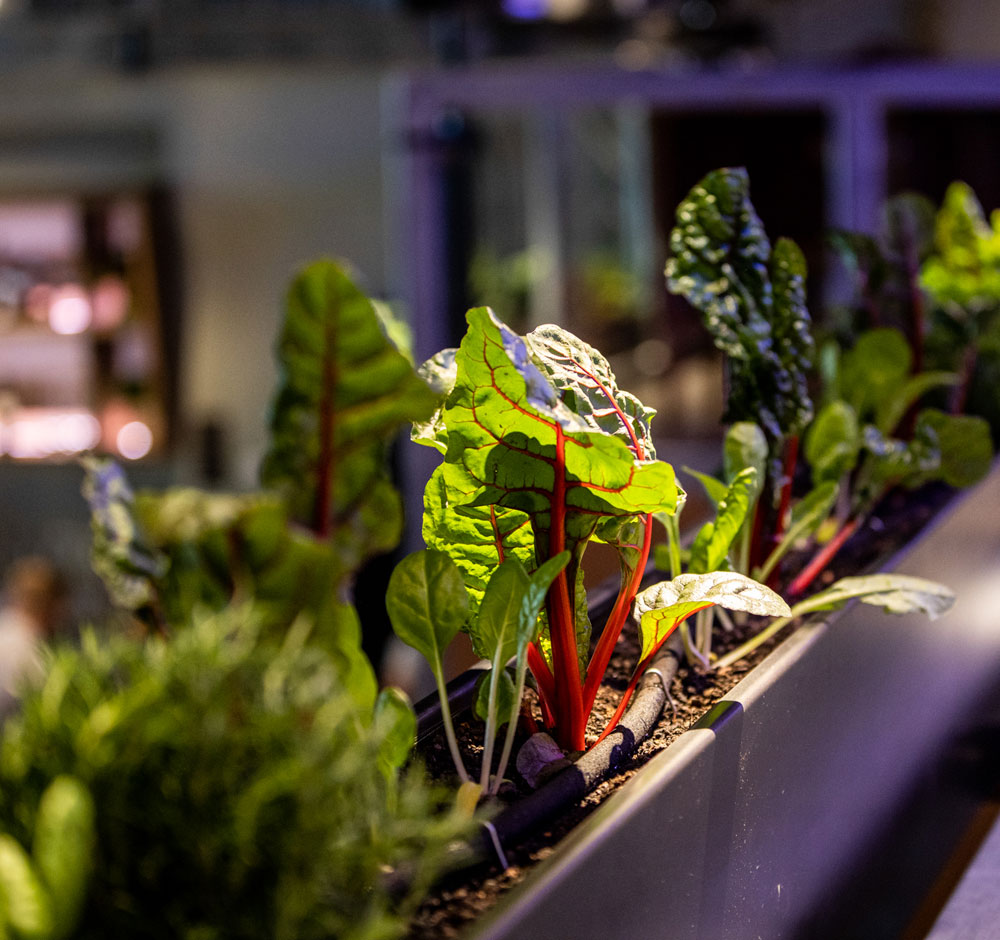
(478, 538)
(344, 392)
(439, 372)
(965, 444)
(495, 630)
(660, 608)
(507, 620)
(715, 490)
(878, 363)
(510, 433)
(833, 442)
(585, 383)
(506, 693)
(753, 301)
(427, 603)
(955, 449)
(710, 549)
(894, 593)
(895, 406)
(745, 446)
(891, 462)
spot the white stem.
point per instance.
(449, 728)
(508, 741)
(752, 644)
(690, 650)
(490, 735)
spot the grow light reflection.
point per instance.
(134, 440)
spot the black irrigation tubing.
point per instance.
(570, 785)
(573, 783)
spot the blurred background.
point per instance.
(167, 165)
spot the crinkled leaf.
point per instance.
(395, 728)
(884, 270)
(530, 420)
(121, 554)
(710, 549)
(585, 383)
(506, 423)
(663, 606)
(477, 537)
(427, 602)
(965, 445)
(63, 849)
(344, 391)
(833, 442)
(753, 301)
(894, 593)
(439, 373)
(891, 462)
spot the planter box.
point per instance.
(743, 825)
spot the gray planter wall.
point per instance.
(739, 829)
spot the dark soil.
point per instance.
(466, 895)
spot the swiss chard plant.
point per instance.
(867, 437)
(542, 455)
(753, 301)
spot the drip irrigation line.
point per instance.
(573, 783)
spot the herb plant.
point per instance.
(238, 790)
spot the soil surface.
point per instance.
(464, 896)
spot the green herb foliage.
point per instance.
(239, 792)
